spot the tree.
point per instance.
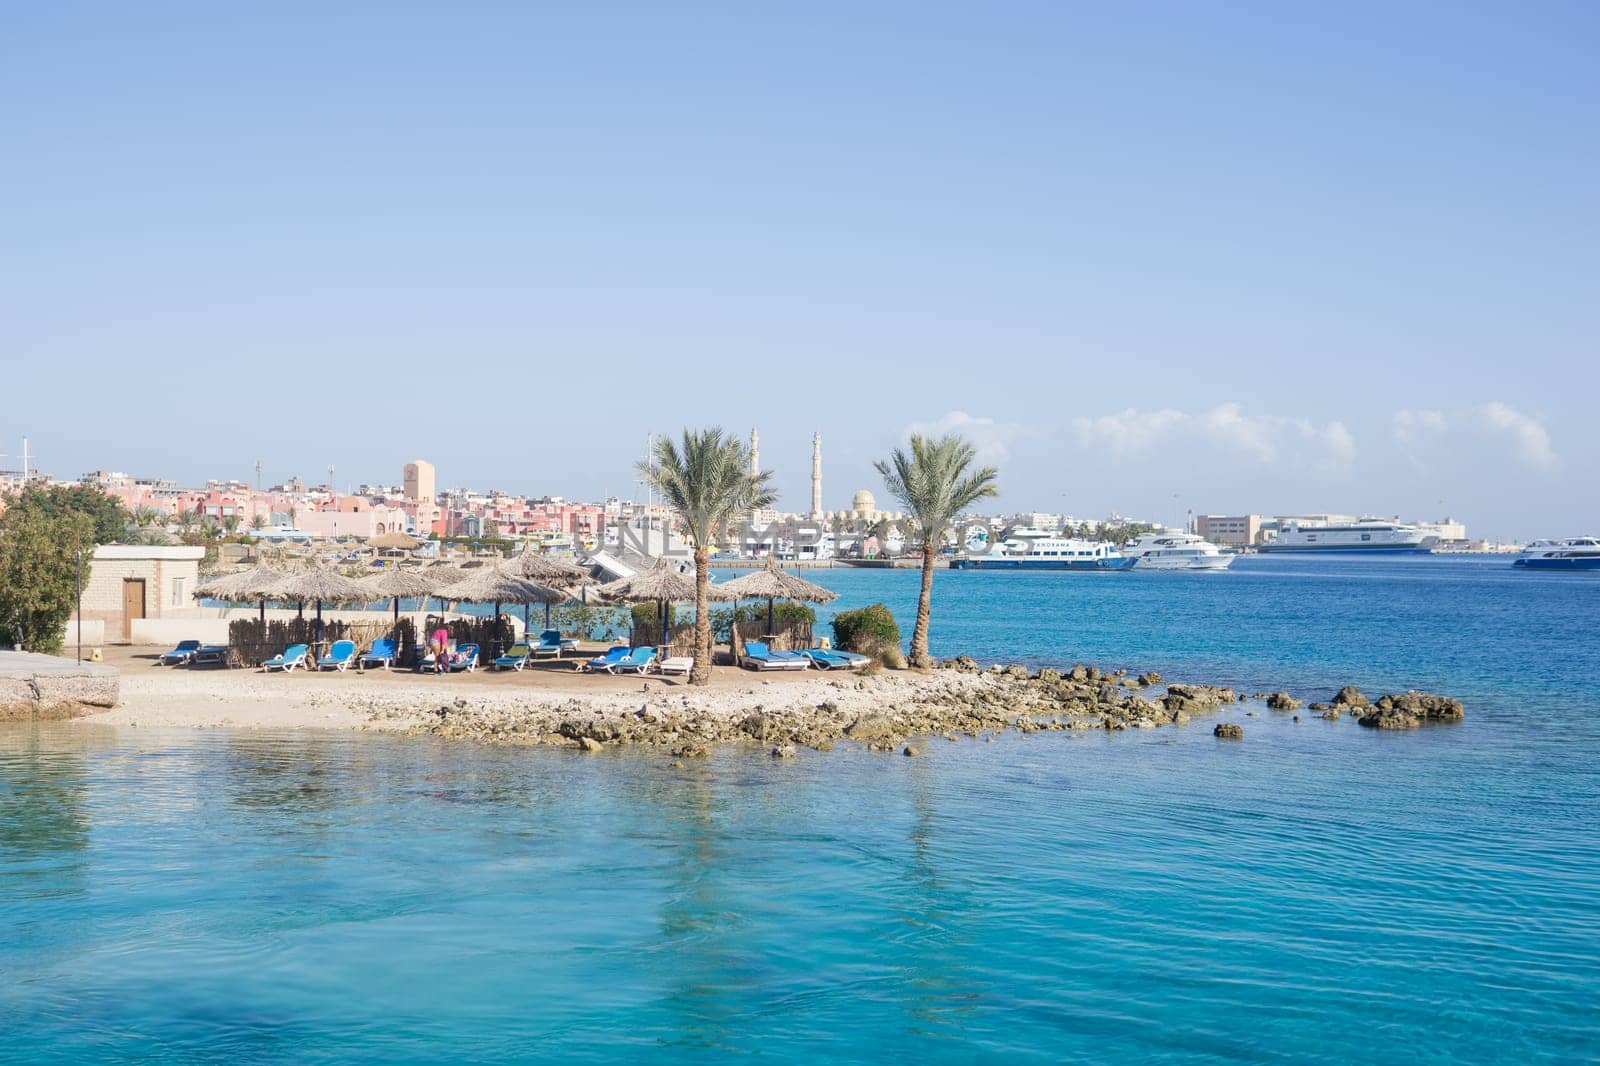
(934, 483)
(109, 518)
(40, 544)
(231, 524)
(259, 521)
(708, 484)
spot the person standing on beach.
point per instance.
(440, 644)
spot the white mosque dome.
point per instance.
(863, 501)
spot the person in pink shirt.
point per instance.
(440, 645)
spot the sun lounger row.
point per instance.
(758, 656)
(617, 660)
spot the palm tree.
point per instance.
(708, 482)
(935, 483)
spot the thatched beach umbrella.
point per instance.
(396, 541)
(770, 583)
(661, 584)
(491, 584)
(400, 584)
(554, 573)
(325, 585)
(261, 582)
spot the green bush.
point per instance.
(870, 630)
(644, 614)
(722, 618)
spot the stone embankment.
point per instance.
(881, 712)
(45, 686)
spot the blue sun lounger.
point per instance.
(829, 659)
(515, 658)
(381, 653)
(551, 642)
(757, 656)
(339, 657)
(465, 660)
(606, 663)
(181, 654)
(637, 661)
(294, 655)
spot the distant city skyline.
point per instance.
(1151, 260)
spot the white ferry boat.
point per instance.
(1176, 551)
(1048, 553)
(1576, 553)
(1366, 535)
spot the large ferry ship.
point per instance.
(1366, 535)
(1048, 553)
(1172, 550)
(1577, 553)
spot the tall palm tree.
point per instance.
(934, 483)
(707, 481)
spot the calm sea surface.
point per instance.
(1317, 892)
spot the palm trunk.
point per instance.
(919, 636)
(700, 673)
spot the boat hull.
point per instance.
(1586, 562)
(1347, 549)
(988, 563)
(1204, 562)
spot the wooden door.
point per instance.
(132, 604)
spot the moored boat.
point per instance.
(1575, 553)
(1048, 553)
(1365, 535)
(1171, 550)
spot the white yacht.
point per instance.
(1047, 553)
(1575, 553)
(1364, 535)
(1170, 550)
(1019, 540)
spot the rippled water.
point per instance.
(1316, 892)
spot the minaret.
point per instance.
(755, 453)
(816, 475)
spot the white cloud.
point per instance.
(1410, 426)
(1532, 439)
(1128, 432)
(1260, 439)
(992, 439)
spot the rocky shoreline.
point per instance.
(888, 711)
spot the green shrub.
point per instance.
(871, 630)
(722, 618)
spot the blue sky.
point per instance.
(1154, 258)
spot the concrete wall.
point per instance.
(94, 632)
(170, 575)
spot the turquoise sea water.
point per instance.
(1316, 892)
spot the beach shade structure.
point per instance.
(661, 584)
(492, 584)
(395, 541)
(260, 583)
(323, 584)
(771, 583)
(554, 573)
(401, 584)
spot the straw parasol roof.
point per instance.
(538, 567)
(491, 584)
(397, 583)
(662, 583)
(772, 583)
(260, 582)
(392, 540)
(325, 585)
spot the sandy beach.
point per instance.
(154, 695)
